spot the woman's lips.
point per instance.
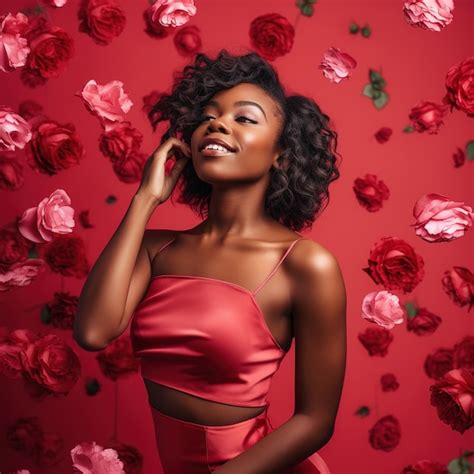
(211, 152)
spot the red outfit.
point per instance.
(208, 337)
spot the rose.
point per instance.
(154, 28)
(148, 103)
(371, 192)
(117, 359)
(431, 15)
(383, 134)
(336, 65)
(89, 458)
(66, 255)
(131, 169)
(102, 20)
(427, 116)
(55, 3)
(187, 40)
(21, 273)
(463, 353)
(11, 344)
(459, 86)
(49, 450)
(426, 467)
(172, 13)
(62, 310)
(13, 247)
(108, 102)
(438, 363)
(54, 147)
(14, 24)
(385, 434)
(11, 172)
(25, 434)
(376, 340)
(458, 283)
(120, 141)
(272, 35)
(424, 322)
(382, 308)
(130, 456)
(50, 363)
(440, 219)
(15, 131)
(53, 215)
(395, 264)
(453, 398)
(389, 383)
(12, 44)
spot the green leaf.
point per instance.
(92, 386)
(381, 101)
(45, 314)
(307, 10)
(368, 90)
(365, 31)
(363, 411)
(408, 129)
(411, 309)
(353, 28)
(374, 76)
(470, 150)
(111, 199)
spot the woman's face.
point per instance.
(251, 130)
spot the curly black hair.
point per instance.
(299, 187)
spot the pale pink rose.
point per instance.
(13, 24)
(91, 458)
(15, 131)
(382, 308)
(108, 102)
(439, 219)
(55, 3)
(172, 13)
(336, 65)
(431, 15)
(21, 273)
(53, 215)
(13, 47)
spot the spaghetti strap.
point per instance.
(277, 265)
(165, 245)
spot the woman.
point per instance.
(213, 309)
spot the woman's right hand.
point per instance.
(154, 182)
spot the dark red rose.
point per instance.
(84, 219)
(271, 35)
(427, 117)
(385, 434)
(62, 309)
(458, 283)
(54, 147)
(49, 451)
(371, 192)
(187, 40)
(453, 397)
(383, 134)
(395, 264)
(11, 344)
(130, 170)
(13, 247)
(50, 363)
(154, 28)
(463, 354)
(29, 109)
(25, 434)
(424, 322)
(438, 362)
(131, 457)
(148, 102)
(459, 157)
(102, 20)
(426, 467)
(389, 383)
(117, 359)
(118, 143)
(32, 78)
(460, 86)
(376, 340)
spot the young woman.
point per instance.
(213, 309)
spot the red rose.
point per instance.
(458, 283)
(371, 192)
(460, 86)
(13, 247)
(426, 467)
(389, 383)
(84, 219)
(376, 340)
(154, 28)
(131, 457)
(25, 434)
(62, 309)
(395, 264)
(130, 170)
(102, 20)
(438, 362)
(11, 344)
(427, 116)
(54, 147)
(66, 255)
(424, 322)
(49, 451)
(463, 354)
(459, 157)
(453, 398)
(385, 434)
(51, 364)
(272, 35)
(118, 143)
(117, 359)
(383, 134)
(148, 103)
(187, 40)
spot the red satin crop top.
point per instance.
(206, 337)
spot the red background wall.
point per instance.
(414, 63)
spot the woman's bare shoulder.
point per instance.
(154, 239)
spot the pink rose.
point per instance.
(15, 131)
(13, 46)
(382, 308)
(108, 102)
(21, 273)
(336, 65)
(53, 215)
(90, 458)
(458, 283)
(11, 172)
(431, 15)
(427, 116)
(172, 13)
(439, 219)
(14, 24)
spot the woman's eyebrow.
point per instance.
(238, 103)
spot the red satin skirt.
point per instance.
(191, 448)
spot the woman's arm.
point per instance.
(319, 315)
(102, 302)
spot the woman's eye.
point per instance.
(203, 118)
